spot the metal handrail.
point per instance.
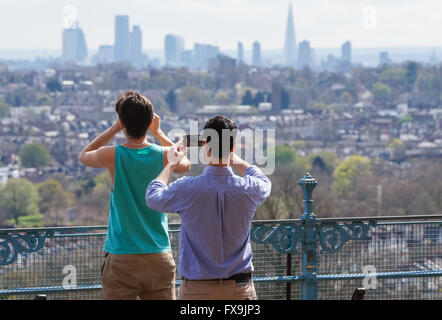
(254, 222)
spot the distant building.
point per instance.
(136, 47)
(105, 54)
(240, 59)
(202, 54)
(276, 97)
(290, 41)
(256, 60)
(74, 45)
(304, 59)
(122, 41)
(346, 52)
(383, 58)
(173, 47)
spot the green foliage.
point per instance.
(381, 92)
(34, 155)
(35, 220)
(102, 181)
(285, 154)
(19, 197)
(4, 109)
(325, 161)
(405, 119)
(348, 172)
(52, 195)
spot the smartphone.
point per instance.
(191, 140)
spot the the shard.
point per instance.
(290, 41)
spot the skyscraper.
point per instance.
(173, 47)
(256, 61)
(240, 53)
(74, 44)
(383, 58)
(346, 52)
(345, 64)
(122, 42)
(304, 59)
(136, 47)
(290, 41)
(204, 52)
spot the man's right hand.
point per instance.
(176, 153)
(238, 164)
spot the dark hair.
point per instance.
(135, 112)
(221, 125)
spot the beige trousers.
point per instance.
(149, 276)
(216, 290)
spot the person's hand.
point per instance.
(176, 153)
(234, 158)
(155, 125)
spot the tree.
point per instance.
(247, 99)
(348, 172)
(221, 97)
(34, 155)
(52, 195)
(4, 109)
(20, 198)
(53, 85)
(411, 74)
(171, 100)
(325, 161)
(381, 92)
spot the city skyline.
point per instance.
(325, 24)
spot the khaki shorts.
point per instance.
(149, 276)
(216, 290)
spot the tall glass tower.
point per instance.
(290, 41)
(122, 42)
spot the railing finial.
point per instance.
(308, 183)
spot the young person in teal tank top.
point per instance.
(138, 260)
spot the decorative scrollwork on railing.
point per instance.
(284, 237)
(13, 245)
(332, 235)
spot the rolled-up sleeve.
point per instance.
(258, 185)
(162, 198)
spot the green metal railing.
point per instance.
(307, 258)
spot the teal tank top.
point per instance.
(133, 228)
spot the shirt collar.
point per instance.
(218, 171)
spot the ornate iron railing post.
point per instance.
(309, 239)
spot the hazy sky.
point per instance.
(37, 24)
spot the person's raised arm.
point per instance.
(238, 164)
(155, 130)
(94, 155)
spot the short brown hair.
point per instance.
(135, 112)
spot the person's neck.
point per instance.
(137, 141)
(221, 163)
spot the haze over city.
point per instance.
(325, 23)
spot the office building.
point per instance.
(122, 41)
(256, 60)
(74, 45)
(105, 54)
(383, 58)
(304, 59)
(202, 54)
(173, 47)
(136, 47)
(240, 59)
